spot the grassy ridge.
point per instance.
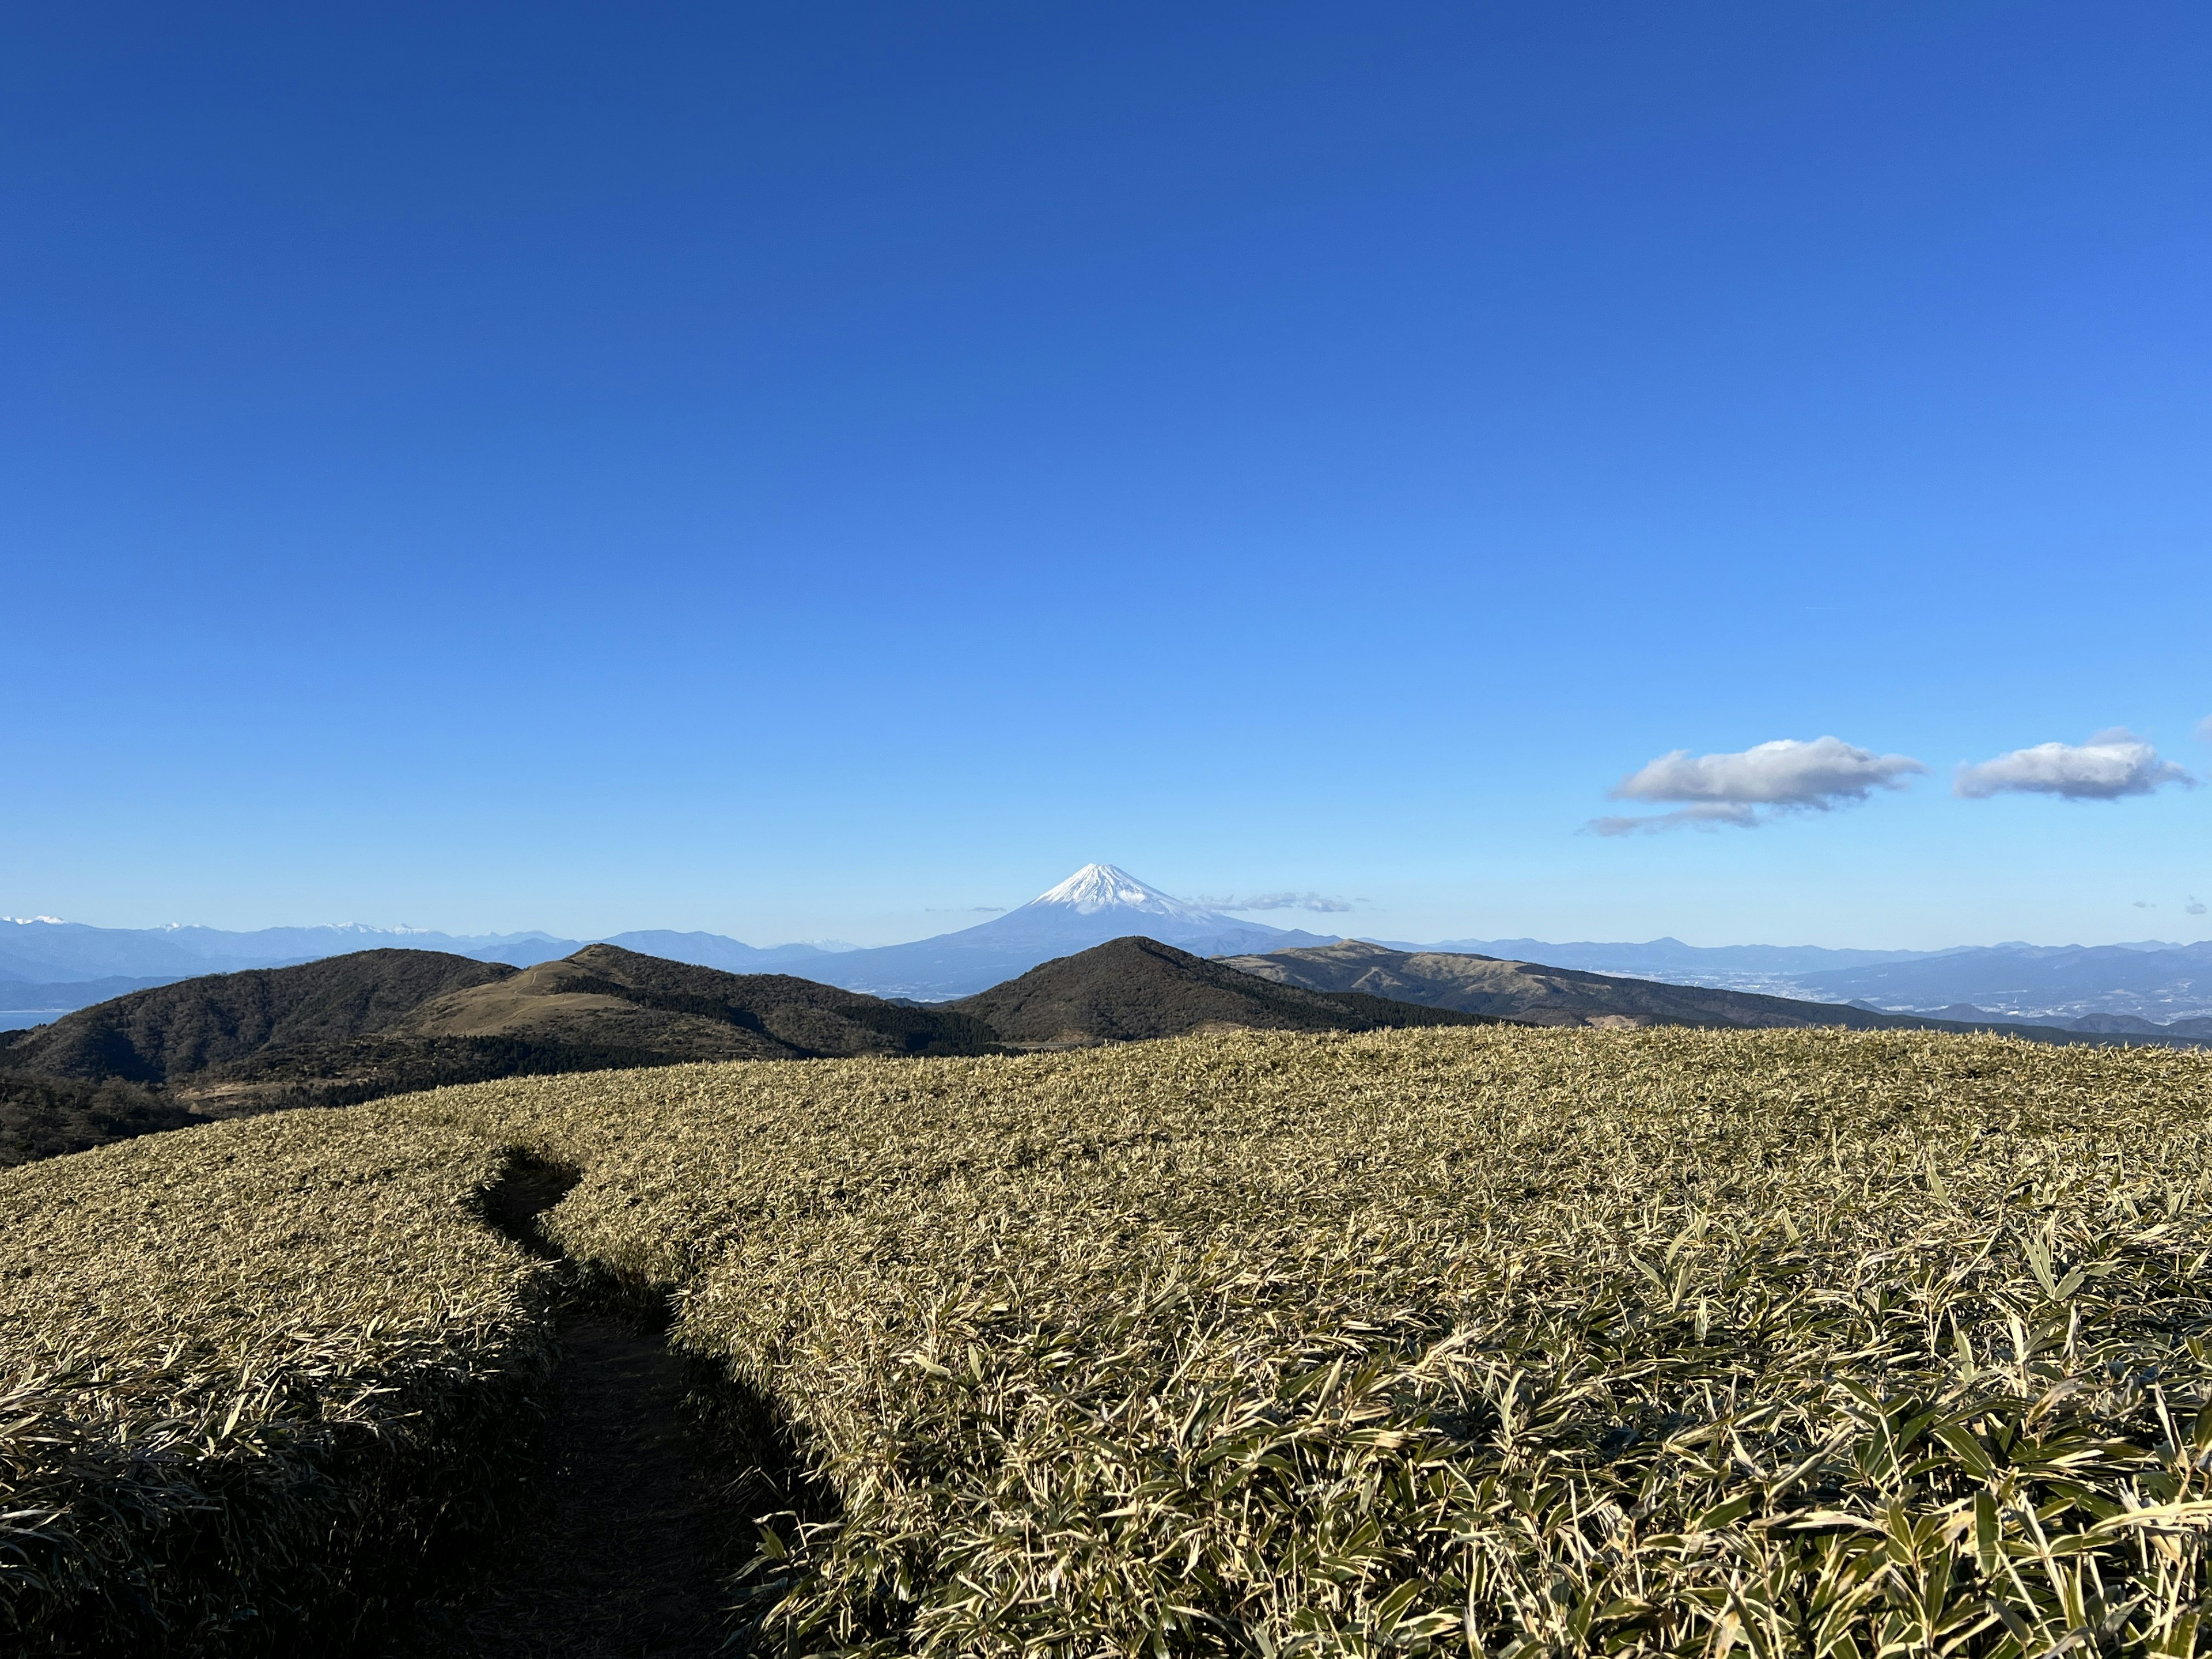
(1822, 1342)
(247, 1374)
(1662, 1341)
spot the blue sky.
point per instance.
(807, 471)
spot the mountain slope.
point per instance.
(1098, 903)
(2048, 984)
(377, 1022)
(1770, 969)
(174, 1031)
(603, 993)
(1562, 996)
(601, 1008)
(1133, 988)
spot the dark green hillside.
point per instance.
(44, 1116)
(806, 1020)
(176, 1032)
(1130, 989)
(356, 1028)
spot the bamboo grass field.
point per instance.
(1461, 1340)
(249, 1375)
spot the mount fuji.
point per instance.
(48, 966)
(1098, 903)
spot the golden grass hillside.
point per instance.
(1444, 1340)
(249, 1375)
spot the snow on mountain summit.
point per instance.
(1098, 903)
(1098, 887)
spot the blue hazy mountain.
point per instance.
(1769, 969)
(1097, 903)
(718, 950)
(1671, 953)
(2149, 982)
(45, 950)
(49, 966)
(26, 1002)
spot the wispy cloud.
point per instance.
(2110, 765)
(2195, 906)
(1317, 902)
(2205, 728)
(1748, 787)
(1690, 817)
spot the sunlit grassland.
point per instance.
(249, 1375)
(1669, 1340)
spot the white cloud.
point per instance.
(2205, 728)
(1318, 902)
(2110, 765)
(1699, 817)
(1748, 788)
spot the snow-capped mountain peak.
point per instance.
(1098, 903)
(1098, 887)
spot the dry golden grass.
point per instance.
(1448, 1341)
(247, 1373)
(1811, 1342)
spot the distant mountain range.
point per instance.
(41, 958)
(369, 1023)
(49, 967)
(365, 1024)
(1098, 903)
(1538, 994)
(1774, 970)
(44, 950)
(2149, 982)
(2158, 983)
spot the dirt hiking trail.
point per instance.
(618, 1550)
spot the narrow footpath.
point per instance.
(617, 1553)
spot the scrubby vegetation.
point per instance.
(1449, 1340)
(47, 1116)
(249, 1375)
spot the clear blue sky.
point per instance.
(802, 471)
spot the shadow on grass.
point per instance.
(639, 1512)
